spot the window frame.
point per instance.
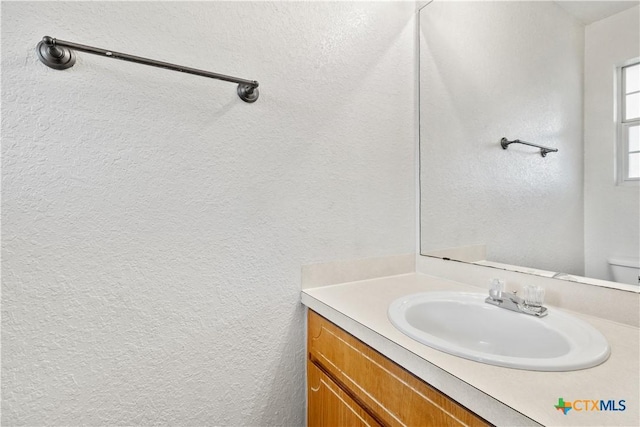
(622, 126)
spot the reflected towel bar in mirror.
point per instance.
(504, 142)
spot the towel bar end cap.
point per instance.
(248, 93)
(59, 58)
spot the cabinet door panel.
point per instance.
(330, 406)
(388, 392)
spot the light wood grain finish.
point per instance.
(329, 405)
(388, 393)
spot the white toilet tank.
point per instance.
(625, 270)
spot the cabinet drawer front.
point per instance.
(387, 391)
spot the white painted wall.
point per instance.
(502, 69)
(612, 212)
(154, 225)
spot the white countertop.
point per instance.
(502, 396)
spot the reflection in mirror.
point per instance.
(548, 73)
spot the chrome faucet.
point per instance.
(531, 304)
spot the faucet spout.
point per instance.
(511, 301)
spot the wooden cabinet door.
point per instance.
(385, 391)
(330, 406)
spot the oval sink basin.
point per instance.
(464, 325)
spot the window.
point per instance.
(629, 123)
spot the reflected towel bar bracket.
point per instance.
(58, 54)
(504, 142)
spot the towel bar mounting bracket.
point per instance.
(56, 57)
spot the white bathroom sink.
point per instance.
(464, 325)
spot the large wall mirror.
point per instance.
(550, 73)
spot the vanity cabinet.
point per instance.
(350, 384)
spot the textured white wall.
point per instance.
(612, 212)
(502, 69)
(154, 225)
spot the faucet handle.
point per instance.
(533, 296)
(496, 289)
